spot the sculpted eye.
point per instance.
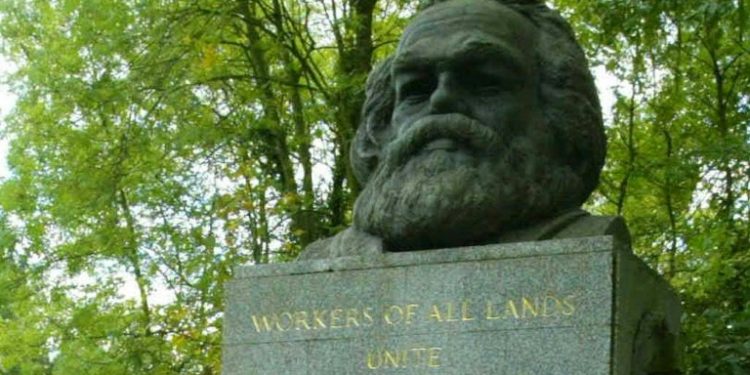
(493, 88)
(487, 83)
(417, 89)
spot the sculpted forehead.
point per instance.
(452, 23)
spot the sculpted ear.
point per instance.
(364, 155)
(374, 129)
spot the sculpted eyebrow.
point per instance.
(409, 62)
(480, 50)
(467, 54)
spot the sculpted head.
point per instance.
(485, 120)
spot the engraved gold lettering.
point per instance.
(490, 312)
(410, 311)
(263, 323)
(393, 314)
(433, 357)
(417, 355)
(336, 318)
(529, 306)
(421, 357)
(390, 359)
(435, 314)
(367, 314)
(450, 316)
(374, 360)
(550, 304)
(319, 318)
(568, 308)
(300, 320)
(546, 305)
(285, 317)
(351, 318)
(465, 314)
(403, 358)
(510, 309)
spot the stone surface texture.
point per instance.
(579, 306)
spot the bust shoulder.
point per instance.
(350, 242)
(593, 225)
(578, 223)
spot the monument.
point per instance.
(480, 139)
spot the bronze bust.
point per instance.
(483, 127)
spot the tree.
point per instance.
(678, 165)
(157, 145)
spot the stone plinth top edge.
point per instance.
(451, 255)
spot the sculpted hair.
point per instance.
(567, 93)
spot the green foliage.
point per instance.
(678, 166)
(155, 145)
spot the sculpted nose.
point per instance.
(446, 98)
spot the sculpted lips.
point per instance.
(449, 132)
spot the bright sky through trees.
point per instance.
(7, 100)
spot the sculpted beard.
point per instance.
(422, 197)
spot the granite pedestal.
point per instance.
(562, 307)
